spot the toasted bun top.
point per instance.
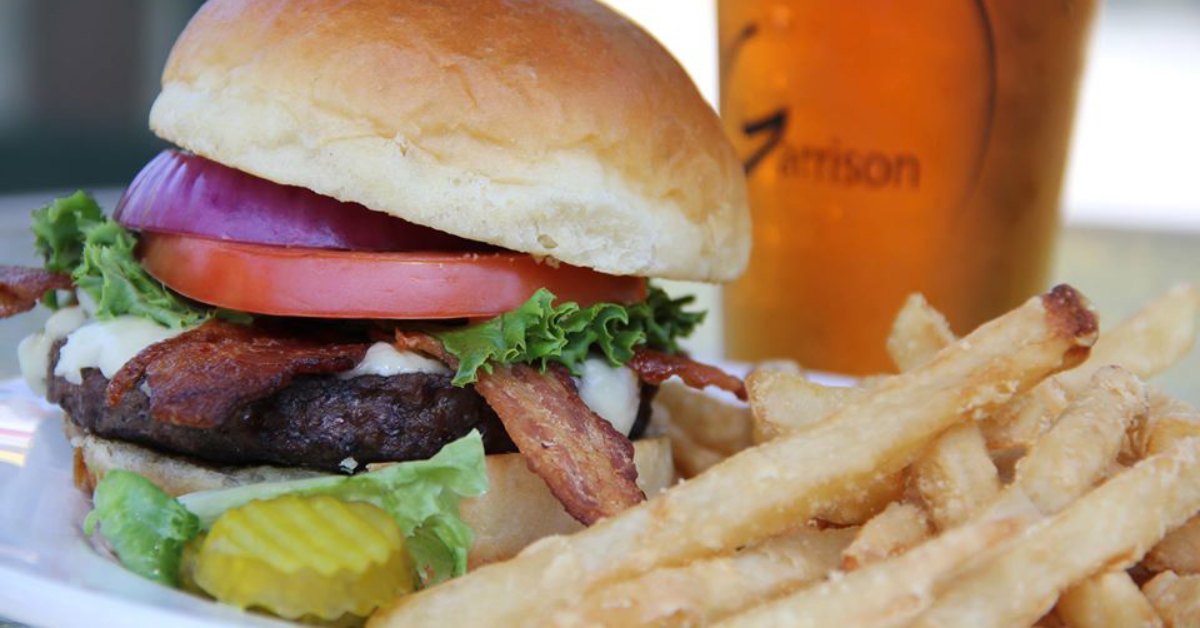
(557, 128)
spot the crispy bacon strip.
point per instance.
(22, 286)
(655, 367)
(424, 343)
(202, 376)
(586, 463)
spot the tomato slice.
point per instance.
(322, 283)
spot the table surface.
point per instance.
(1119, 269)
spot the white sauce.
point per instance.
(611, 392)
(33, 353)
(383, 359)
(108, 345)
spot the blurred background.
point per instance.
(77, 78)
(76, 81)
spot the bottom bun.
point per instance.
(517, 510)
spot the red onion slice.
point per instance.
(181, 193)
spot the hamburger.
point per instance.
(385, 227)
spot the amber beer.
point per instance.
(893, 147)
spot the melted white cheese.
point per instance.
(33, 353)
(383, 359)
(108, 345)
(611, 392)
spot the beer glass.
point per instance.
(890, 148)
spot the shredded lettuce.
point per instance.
(421, 495)
(539, 332)
(73, 236)
(146, 527)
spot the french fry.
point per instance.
(886, 593)
(918, 333)
(781, 365)
(1176, 598)
(956, 478)
(782, 403)
(1021, 422)
(864, 501)
(703, 429)
(1109, 600)
(868, 382)
(1099, 531)
(1179, 551)
(691, 458)
(1074, 454)
(708, 590)
(1168, 420)
(1081, 447)
(1078, 451)
(720, 425)
(899, 527)
(762, 491)
(1147, 343)
(1150, 341)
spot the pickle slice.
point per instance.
(314, 556)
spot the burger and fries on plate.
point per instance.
(376, 341)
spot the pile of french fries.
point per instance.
(1022, 475)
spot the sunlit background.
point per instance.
(77, 78)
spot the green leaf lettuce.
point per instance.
(540, 332)
(73, 236)
(146, 527)
(421, 495)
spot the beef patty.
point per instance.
(316, 422)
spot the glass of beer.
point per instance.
(891, 148)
